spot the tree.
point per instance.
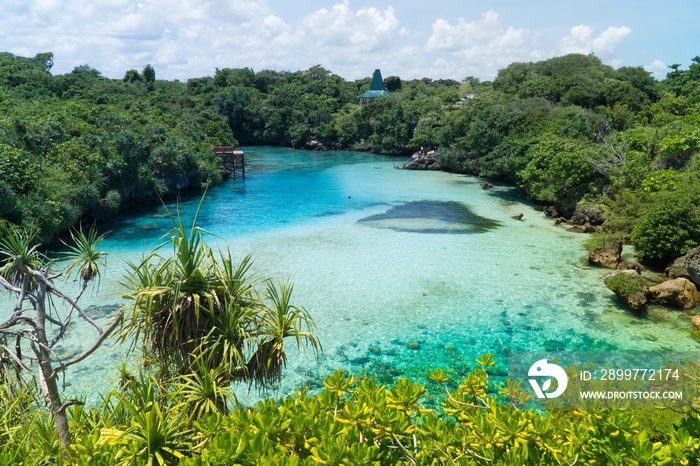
(670, 225)
(30, 276)
(392, 83)
(559, 170)
(132, 76)
(149, 74)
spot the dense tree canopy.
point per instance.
(567, 130)
(81, 145)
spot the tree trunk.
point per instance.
(47, 379)
(49, 387)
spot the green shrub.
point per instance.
(660, 180)
(603, 240)
(8, 200)
(355, 421)
(670, 226)
(559, 170)
(627, 283)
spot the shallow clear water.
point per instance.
(402, 271)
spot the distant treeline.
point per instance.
(567, 130)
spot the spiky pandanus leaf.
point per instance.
(19, 251)
(83, 255)
(280, 320)
(197, 309)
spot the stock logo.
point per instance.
(542, 369)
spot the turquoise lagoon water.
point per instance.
(403, 271)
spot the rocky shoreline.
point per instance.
(423, 160)
(678, 290)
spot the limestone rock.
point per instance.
(630, 265)
(587, 214)
(485, 185)
(518, 217)
(696, 323)
(314, 144)
(630, 288)
(679, 292)
(692, 265)
(551, 211)
(606, 256)
(677, 269)
(423, 161)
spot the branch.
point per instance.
(75, 306)
(405, 451)
(68, 403)
(103, 336)
(473, 453)
(484, 405)
(14, 320)
(50, 286)
(22, 292)
(16, 359)
(63, 326)
(52, 320)
(9, 287)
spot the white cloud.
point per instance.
(448, 38)
(658, 68)
(479, 47)
(581, 40)
(192, 38)
(367, 29)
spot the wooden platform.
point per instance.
(231, 160)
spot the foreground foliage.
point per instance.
(43, 315)
(350, 422)
(195, 310)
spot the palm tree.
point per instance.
(196, 309)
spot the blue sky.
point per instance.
(183, 39)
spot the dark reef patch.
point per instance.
(331, 213)
(434, 217)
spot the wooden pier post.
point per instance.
(231, 160)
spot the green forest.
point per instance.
(77, 148)
(567, 130)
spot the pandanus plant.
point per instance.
(196, 309)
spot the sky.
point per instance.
(411, 39)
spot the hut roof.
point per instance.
(376, 89)
(374, 94)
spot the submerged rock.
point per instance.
(679, 292)
(485, 185)
(413, 345)
(432, 217)
(696, 327)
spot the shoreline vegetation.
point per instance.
(613, 152)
